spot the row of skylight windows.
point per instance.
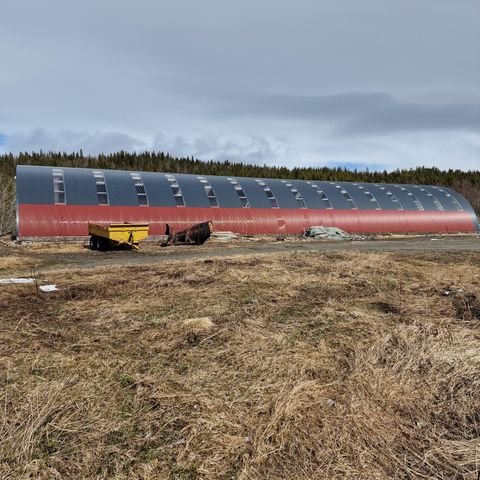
(102, 192)
(453, 199)
(140, 188)
(240, 192)
(416, 201)
(434, 199)
(392, 197)
(176, 190)
(347, 196)
(322, 194)
(369, 195)
(212, 199)
(268, 193)
(296, 194)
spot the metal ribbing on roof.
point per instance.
(268, 205)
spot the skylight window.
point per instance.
(393, 198)
(416, 201)
(241, 194)
(268, 193)
(212, 199)
(370, 196)
(452, 199)
(434, 199)
(58, 186)
(140, 189)
(296, 194)
(322, 194)
(176, 190)
(102, 193)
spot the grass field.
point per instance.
(337, 365)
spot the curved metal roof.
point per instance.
(55, 201)
(80, 186)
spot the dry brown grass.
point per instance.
(298, 366)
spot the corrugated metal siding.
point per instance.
(34, 185)
(422, 195)
(224, 191)
(361, 214)
(309, 194)
(384, 200)
(461, 200)
(406, 200)
(158, 190)
(441, 194)
(120, 188)
(255, 193)
(282, 193)
(66, 220)
(335, 196)
(357, 195)
(79, 187)
(193, 192)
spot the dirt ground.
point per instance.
(20, 259)
(318, 360)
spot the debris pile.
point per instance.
(224, 236)
(329, 233)
(16, 281)
(28, 281)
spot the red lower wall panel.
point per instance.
(72, 220)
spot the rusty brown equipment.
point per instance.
(196, 235)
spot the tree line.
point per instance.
(466, 183)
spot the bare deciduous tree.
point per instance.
(7, 205)
(470, 192)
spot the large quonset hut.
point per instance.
(61, 202)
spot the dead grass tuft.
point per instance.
(198, 324)
(299, 366)
(467, 306)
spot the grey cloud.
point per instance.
(247, 148)
(361, 113)
(404, 150)
(184, 67)
(207, 146)
(71, 141)
(395, 116)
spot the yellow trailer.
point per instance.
(104, 237)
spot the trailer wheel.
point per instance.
(102, 244)
(93, 242)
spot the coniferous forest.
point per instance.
(465, 182)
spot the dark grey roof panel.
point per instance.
(424, 198)
(401, 192)
(358, 197)
(254, 192)
(34, 185)
(309, 194)
(382, 195)
(441, 194)
(337, 199)
(80, 187)
(193, 192)
(459, 198)
(120, 188)
(224, 191)
(282, 193)
(158, 190)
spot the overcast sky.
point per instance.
(377, 83)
